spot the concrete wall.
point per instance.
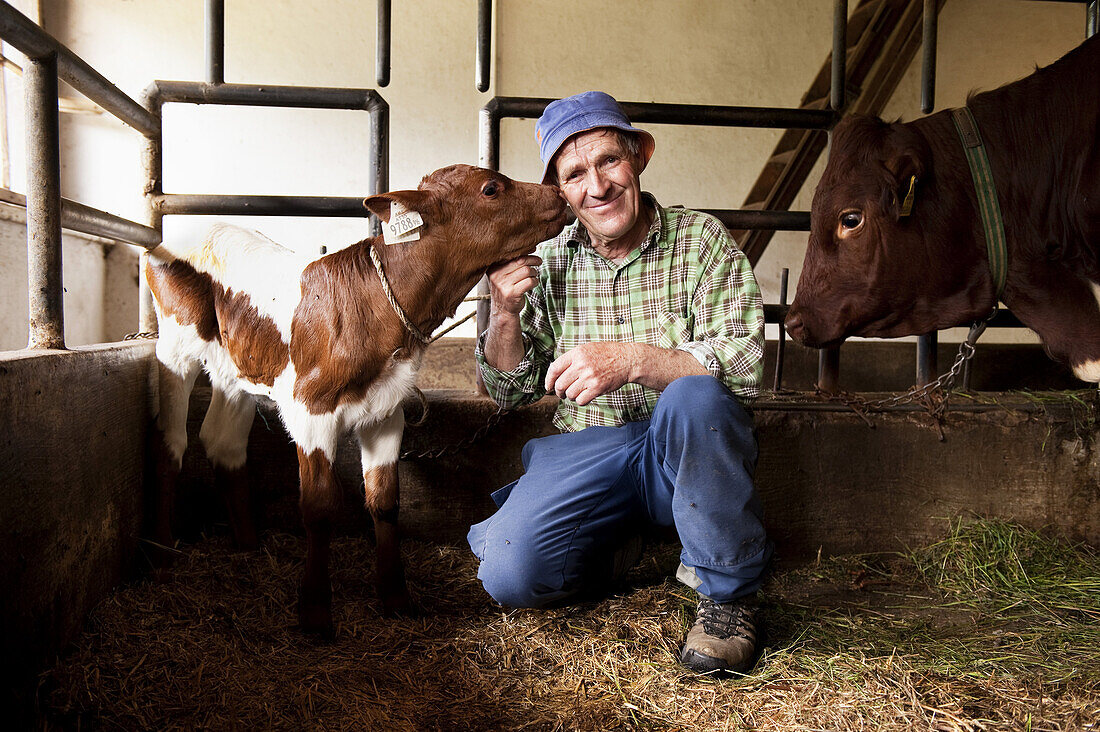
(72, 459)
(698, 51)
(99, 277)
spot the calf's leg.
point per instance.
(380, 444)
(319, 500)
(176, 380)
(224, 434)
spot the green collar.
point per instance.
(988, 206)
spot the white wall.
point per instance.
(741, 52)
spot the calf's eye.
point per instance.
(851, 219)
(490, 189)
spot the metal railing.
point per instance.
(47, 212)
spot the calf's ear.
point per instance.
(380, 205)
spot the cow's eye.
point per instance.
(850, 220)
(490, 189)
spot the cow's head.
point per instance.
(879, 260)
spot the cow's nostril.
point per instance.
(793, 324)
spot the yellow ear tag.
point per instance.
(907, 204)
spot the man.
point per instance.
(648, 324)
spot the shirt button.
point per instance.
(621, 320)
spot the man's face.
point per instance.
(596, 175)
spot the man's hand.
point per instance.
(598, 368)
(590, 370)
(509, 283)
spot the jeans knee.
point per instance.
(694, 397)
(517, 578)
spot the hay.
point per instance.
(993, 628)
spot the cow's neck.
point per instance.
(950, 218)
(426, 287)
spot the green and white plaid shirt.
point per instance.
(687, 286)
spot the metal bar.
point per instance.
(44, 279)
(484, 42)
(153, 165)
(237, 205)
(78, 217)
(828, 370)
(928, 64)
(927, 346)
(780, 346)
(265, 95)
(1092, 11)
(840, 55)
(215, 41)
(28, 37)
(87, 220)
(761, 219)
(378, 167)
(382, 45)
(684, 114)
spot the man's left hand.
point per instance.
(590, 370)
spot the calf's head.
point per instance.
(882, 259)
(473, 218)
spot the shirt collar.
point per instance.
(577, 235)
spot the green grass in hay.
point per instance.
(991, 599)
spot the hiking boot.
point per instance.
(723, 638)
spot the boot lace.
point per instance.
(729, 620)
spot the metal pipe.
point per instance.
(266, 95)
(828, 370)
(1092, 10)
(382, 45)
(928, 65)
(153, 164)
(378, 168)
(44, 271)
(25, 35)
(78, 217)
(484, 42)
(247, 205)
(215, 41)
(780, 345)
(684, 114)
(927, 346)
(488, 135)
(840, 55)
(761, 219)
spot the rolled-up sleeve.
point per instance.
(525, 383)
(729, 321)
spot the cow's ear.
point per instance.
(905, 155)
(381, 204)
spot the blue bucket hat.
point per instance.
(579, 113)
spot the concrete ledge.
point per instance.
(827, 479)
(72, 459)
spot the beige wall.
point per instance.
(742, 52)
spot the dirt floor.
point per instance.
(999, 632)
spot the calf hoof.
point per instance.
(397, 604)
(315, 618)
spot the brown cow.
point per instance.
(872, 271)
(322, 340)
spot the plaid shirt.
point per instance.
(687, 287)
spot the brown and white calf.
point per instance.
(321, 339)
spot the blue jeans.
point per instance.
(583, 494)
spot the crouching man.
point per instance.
(648, 324)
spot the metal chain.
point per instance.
(461, 444)
(935, 394)
(143, 334)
